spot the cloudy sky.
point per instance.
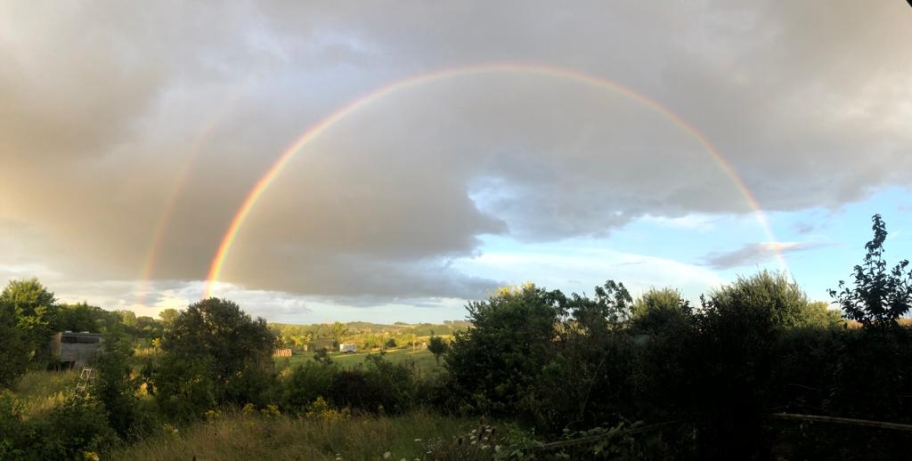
(448, 148)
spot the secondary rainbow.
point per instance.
(202, 138)
(316, 130)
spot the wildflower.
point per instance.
(418, 440)
(387, 455)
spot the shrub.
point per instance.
(305, 384)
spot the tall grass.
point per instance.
(243, 437)
(38, 392)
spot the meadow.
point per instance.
(422, 360)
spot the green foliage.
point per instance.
(771, 292)
(658, 310)
(35, 311)
(339, 330)
(322, 356)
(305, 383)
(83, 317)
(880, 295)
(819, 314)
(114, 387)
(214, 353)
(495, 362)
(609, 309)
(14, 347)
(437, 346)
(728, 366)
(168, 318)
(68, 431)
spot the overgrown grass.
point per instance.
(38, 392)
(243, 437)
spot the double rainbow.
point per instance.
(318, 129)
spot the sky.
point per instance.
(378, 161)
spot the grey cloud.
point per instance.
(756, 253)
(804, 100)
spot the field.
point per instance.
(425, 365)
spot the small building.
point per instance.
(282, 353)
(75, 349)
(348, 348)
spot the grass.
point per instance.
(424, 361)
(40, 391)
(240, 437)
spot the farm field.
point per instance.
(423, 359)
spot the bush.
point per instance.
(378, 387)
(305, 384)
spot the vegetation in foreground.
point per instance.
(562, 377)
(327, 435)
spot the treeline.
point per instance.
(367, 336)
(647, 378)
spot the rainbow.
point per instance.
(203, 136)
(315, 131)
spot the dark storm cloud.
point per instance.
(102, 107)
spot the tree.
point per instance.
(339, 330)
(168, 317)
(437, 346)
(880, 296)
(14, 349)
(820, 315)
(35, 311)
(610, 309)
(659, 309)
(83, 317)
(114, 386)
(770, 292)
(493, 363)
(214, 353)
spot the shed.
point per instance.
(74, 349)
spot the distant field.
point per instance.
(424, 360)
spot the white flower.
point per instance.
(417, 440)
(387, 455)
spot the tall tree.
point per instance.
(35, 311)
(214, 353)
(339, 330)
(438, 347)
(880, 295)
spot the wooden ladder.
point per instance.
(85, 378)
